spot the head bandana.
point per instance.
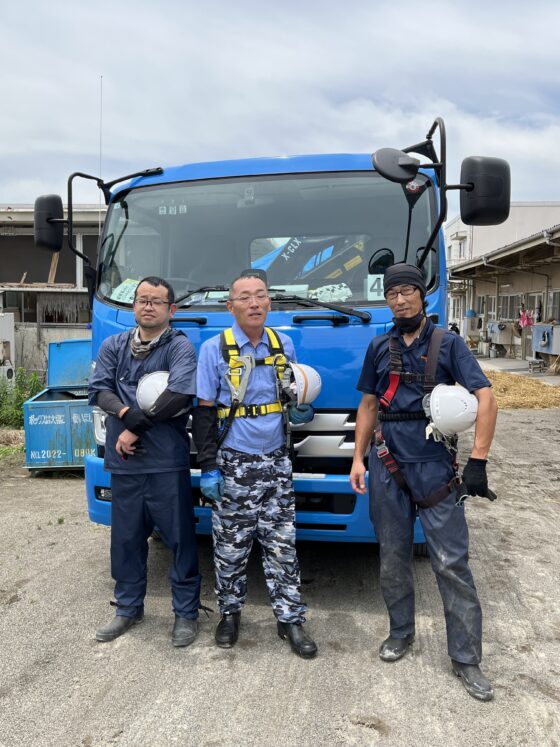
(404, 274)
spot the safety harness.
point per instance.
(237, 377)
(428, 380)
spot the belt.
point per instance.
(399, 415)
(251, 411)
(245, 456)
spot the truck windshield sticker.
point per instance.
(374, 288)
(124, 293)
(335, 292)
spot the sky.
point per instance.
(110, 88)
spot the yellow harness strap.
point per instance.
(251, 411)
(236, 366)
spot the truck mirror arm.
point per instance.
(105, 187)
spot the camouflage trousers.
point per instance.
(258, 502)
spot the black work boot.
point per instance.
(184, 631)
(301, 643)
(393, 649)
(227, 631)
(118, 625)
(474, 681)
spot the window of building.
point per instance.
(535, 303)
(553, 305)
(456, 311)
(509, 307)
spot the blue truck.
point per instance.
(324, 227)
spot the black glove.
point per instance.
(474, 476)
(136, 421)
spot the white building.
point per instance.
(497, 272)
(466, 243)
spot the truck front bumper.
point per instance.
(346, 521)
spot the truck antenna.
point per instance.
(100, 144)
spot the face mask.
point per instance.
(411, 324)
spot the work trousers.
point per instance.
(393, 514)
(139, 503)
(258, 502)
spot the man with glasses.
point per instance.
(147, 455)
(409, 472)
(249, 478)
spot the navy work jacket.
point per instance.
(166, 444)
(406, 439)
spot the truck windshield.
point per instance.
(313, 234)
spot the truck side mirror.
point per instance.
(49, 222)
(487, 202)
(395, 165)
(380, 260)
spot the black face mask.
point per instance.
(411, 324)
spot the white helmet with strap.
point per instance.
(149, 389)
(452, 409)
(305, 384)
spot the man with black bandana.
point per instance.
(147, 455)
(425, 482)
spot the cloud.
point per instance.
(185, 81)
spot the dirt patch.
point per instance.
(10, 437)
(12, 451)
(520, 392)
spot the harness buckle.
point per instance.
(382, 450)
(460, 500)
(455, 483)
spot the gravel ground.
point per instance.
(59, 687)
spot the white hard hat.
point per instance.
(150, 387)
(306, 384)
(453, 409)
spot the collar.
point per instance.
(242, 339)
(173, 332)
(428, 328)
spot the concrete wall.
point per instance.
(32, 342)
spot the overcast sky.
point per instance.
(196, 81)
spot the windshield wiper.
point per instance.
(202, 289)
(365, 316)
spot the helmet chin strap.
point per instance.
(410, 324)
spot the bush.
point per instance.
(14, 393)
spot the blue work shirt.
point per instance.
(166, 444)
(406, 439)
(258, 435)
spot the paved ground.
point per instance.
(59, 687)
(518, 368)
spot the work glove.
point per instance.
(298, 414)
(474, 477)
(136, 421)
(212, 484)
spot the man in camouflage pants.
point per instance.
(249, 479)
